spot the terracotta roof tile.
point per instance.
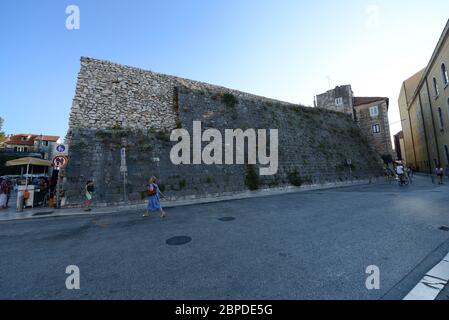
(30, 138)
(358, 101)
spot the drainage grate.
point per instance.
(227, 219)
(43, 213)
(444, 228)
(178, 241)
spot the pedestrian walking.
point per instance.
(3, 193)
(8, 191)
(154, 198)
(440, 174)
(89, 190)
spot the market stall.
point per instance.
(26, 192)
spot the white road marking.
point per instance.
(440, 271)
(433, 282)
(447, 258)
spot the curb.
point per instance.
(432, 283)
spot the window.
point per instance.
(435, 87)
(445, 74)
(440, 115)
(374, 111)
(376, 128)
(339, 102)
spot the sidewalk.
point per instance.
(38, 213)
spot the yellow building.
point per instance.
(424, 108)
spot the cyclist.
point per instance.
(400, 172)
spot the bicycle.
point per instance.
(403, 180)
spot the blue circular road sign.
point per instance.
(60, 148)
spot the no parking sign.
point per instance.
(60, 162)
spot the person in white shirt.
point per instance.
(400, 169)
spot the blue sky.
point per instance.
(288, 50)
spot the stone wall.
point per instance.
(313, 144)
(110, 95)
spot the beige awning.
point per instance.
(28, 161)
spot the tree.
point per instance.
(2, 134)
(387, 158)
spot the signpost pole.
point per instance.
(60, 161)
(349, 162)
(124, 171)
(124, 187)
(58, 190)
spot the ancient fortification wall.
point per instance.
(117, 106)
(110, 95)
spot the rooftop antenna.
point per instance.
(329, 80)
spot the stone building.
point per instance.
(399, 147)
(370, 113)
(117, 107)
(424, 108)
(339, 99)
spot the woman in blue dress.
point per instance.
(154, 198)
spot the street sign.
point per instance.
(60, 148)
(348, 162)
(123, 156)
(60, 162)
(123, 166)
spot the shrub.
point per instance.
(252, 178)
(148, 147)
(387, 158)
(116, 126)
(182, 184)
(163, 136)
(230, 100)
(295, 179)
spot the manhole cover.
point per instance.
(444, 228)
(227, 219)
(283, 255)
(178, 241)
(43, 213)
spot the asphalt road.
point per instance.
(311, 245)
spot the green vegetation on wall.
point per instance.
(252, 178)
